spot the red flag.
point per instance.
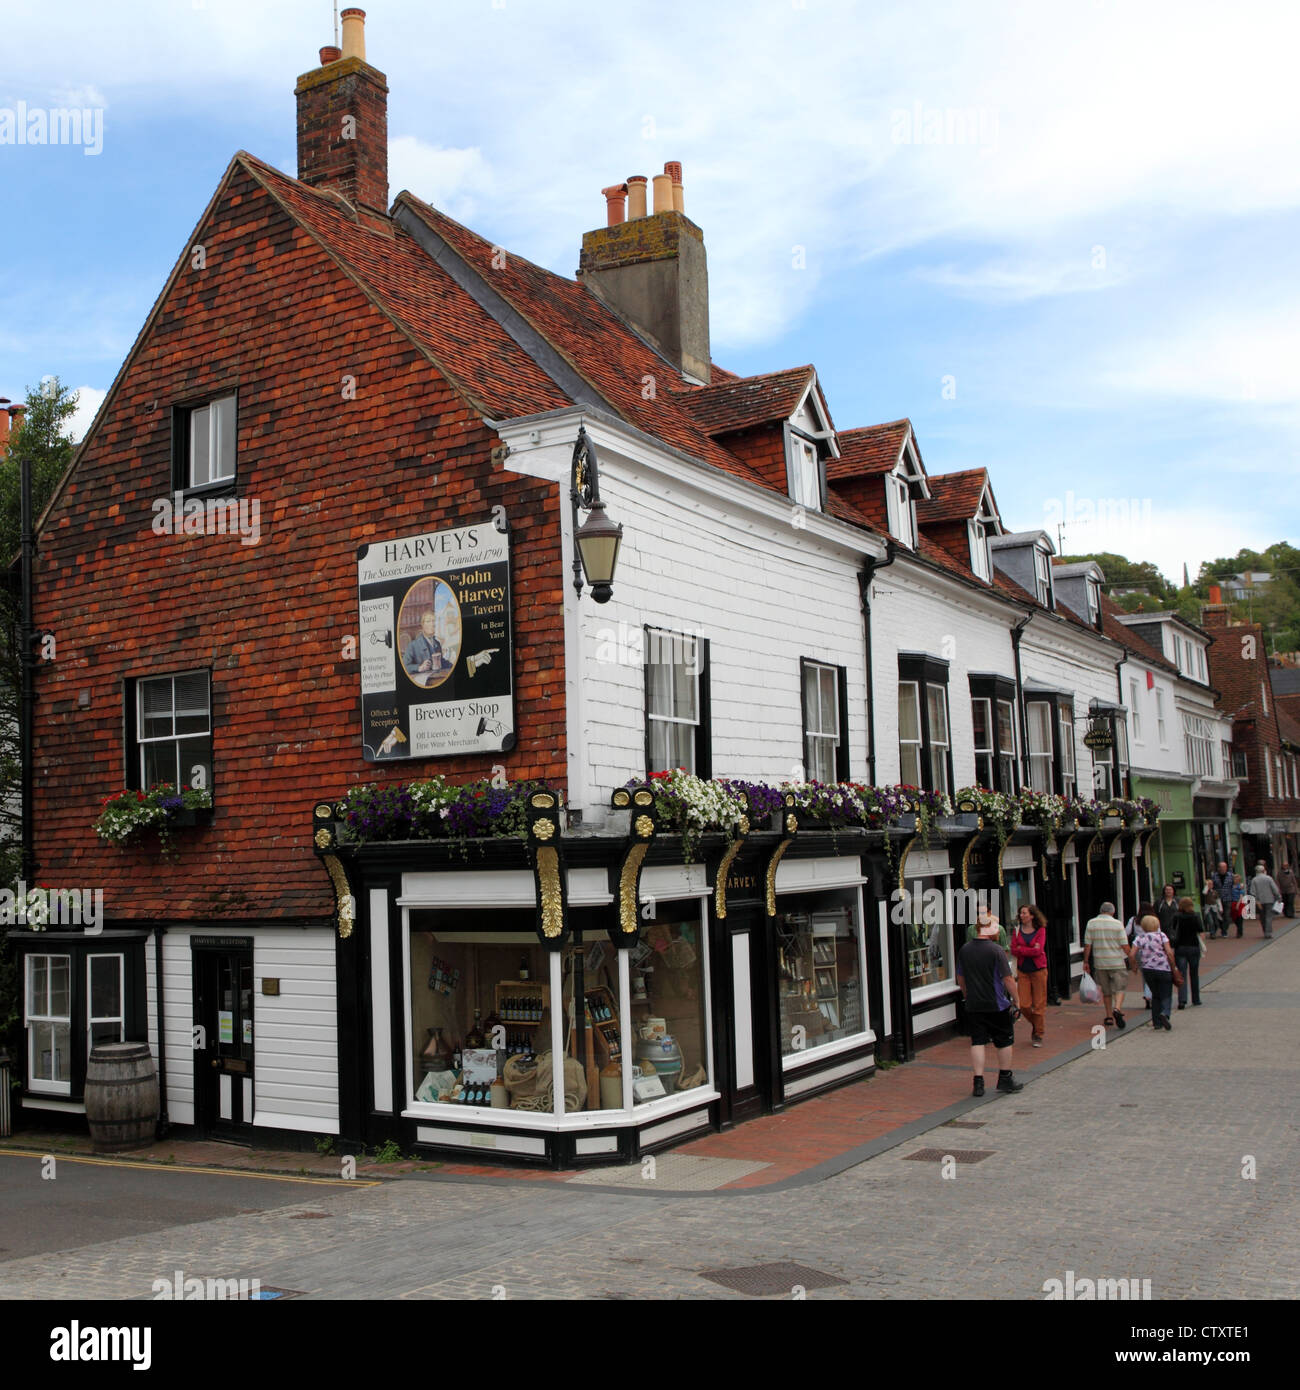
(1151, 680)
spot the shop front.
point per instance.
(680, 992)
(1177, 859)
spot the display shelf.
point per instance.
(522, 995)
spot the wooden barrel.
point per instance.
(121, 1097)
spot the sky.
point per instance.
(1063, 239)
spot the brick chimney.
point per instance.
(343, 121)
(651, 270)
(4, 423)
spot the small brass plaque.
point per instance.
(270, 986)
(236, 1064)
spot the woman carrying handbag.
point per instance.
(1155, 955)
(1187, 952)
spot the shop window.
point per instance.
(929, 932)
(825, 720)
(668, 1033)
(819, 971)
(677, 703)
(203, 449)
(483, 1002)
(172, 720)
(49, 1024)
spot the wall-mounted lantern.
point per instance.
(596, 544)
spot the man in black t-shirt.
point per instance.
(988, 987)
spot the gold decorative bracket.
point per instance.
(546, 851)
(643, 826)
(789, 829)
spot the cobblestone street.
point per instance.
(1135, 1161)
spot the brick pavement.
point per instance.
(1129, 1161)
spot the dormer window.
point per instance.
(1043, 578)
(1094, 602)
(805, 474)
(902, 522)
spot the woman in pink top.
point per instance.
(1029, 946)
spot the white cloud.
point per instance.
(454, 181)
(1010, 281)
(89, 399)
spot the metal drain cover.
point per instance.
(763, 1280)
(964, 1124)
(957, 1155)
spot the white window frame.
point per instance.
(1133, 696)
(688, 646)
(915, 688)
(1263, 695)
(814, 735)
(805, 473)
(938, 747)
(1040, 757)
(91, 1017)
(901, 521)
(1094, 600)
(144, 742)
(46, 1086)
(980, 561)
(1011, 754)
(1043, 576)
(1069, 773)
(988, 752)
(1198, 745)
(217, 422)
(1162, 731)
(1268, 773)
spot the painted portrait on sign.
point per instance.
(429, 633)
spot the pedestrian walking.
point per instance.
(1286, 881)
(1267, 895)
(1106, 955)
(1155, 955)
(987, 927)
(1213, 912)
(1029, 948)
(1221, 878)
(1187, 951)
(1167, 908)
(1133, 929)
(988, 989)
(1238, 910)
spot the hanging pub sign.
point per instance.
(437, 669)
(1099, 735)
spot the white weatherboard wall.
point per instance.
(914, 610)
(295, 1035)
(707, 555)
(1060, 656)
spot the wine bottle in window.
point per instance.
(475, 1038)
(523, 967)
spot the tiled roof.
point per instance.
(953, 496)
(594, 340)
(745, 401)
(1141, 649)
(1288, 726)
(874, 449)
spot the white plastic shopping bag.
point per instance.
(1088, 989)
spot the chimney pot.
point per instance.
(636, 197)
(663, 193)
(615, 203)
(1216, 594)
(329, 55)
(354, 34)
(674, 170)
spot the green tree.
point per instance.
(43, 440)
